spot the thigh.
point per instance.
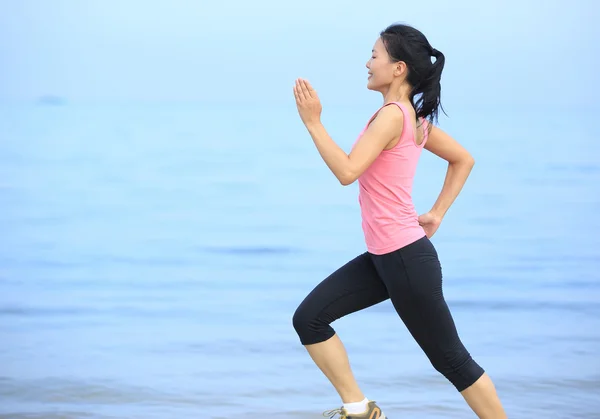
(413, 277)
(352, 287)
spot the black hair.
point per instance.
(405, 43)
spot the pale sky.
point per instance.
(497, 52)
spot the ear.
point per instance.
(399, 68)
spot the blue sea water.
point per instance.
(152, 256)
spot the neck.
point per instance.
(399, 93)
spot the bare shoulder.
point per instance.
(389, 116)
(383, 128)
(386, 125)
(437, 134)
(445, 146)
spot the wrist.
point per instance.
(313, 124)
(438, 213)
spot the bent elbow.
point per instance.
(346, 182)
(470, 161)
(464, 159)
(347, 179)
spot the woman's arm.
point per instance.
(386, 126)
(460, 163)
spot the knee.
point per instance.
(310, 327)
(458, 367)
(301, 321)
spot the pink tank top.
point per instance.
(389, 218)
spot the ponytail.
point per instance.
(430, 89)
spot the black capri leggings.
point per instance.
(412, 278)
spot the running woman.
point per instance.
(400, 262)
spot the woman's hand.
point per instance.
(307, 101)
(430, 223)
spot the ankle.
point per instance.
(357, 406)
(353, 398)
